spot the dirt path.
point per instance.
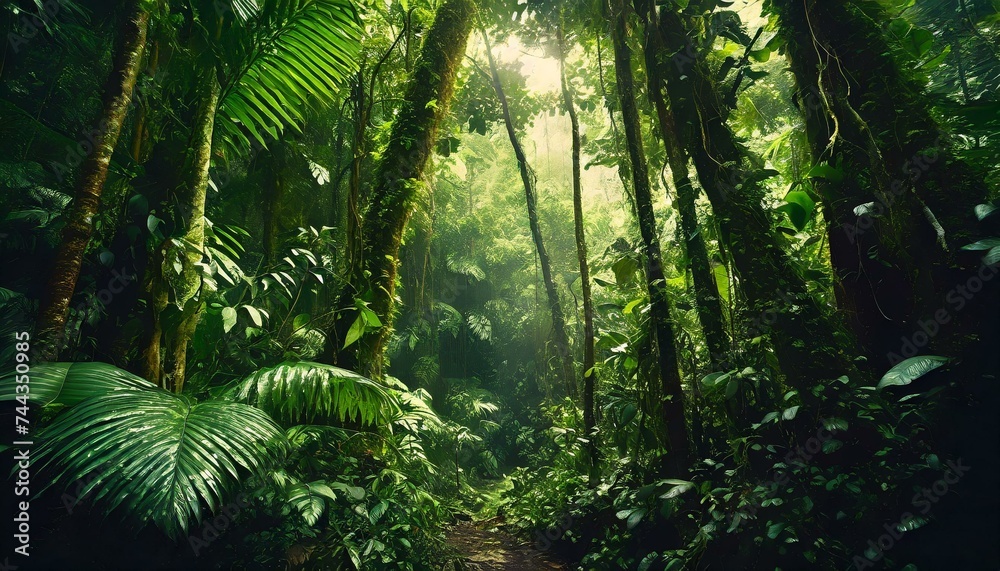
(493, 550)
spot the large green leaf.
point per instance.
(826, 171)
(296, 392)
(799, 206)
(911, 369)
(310, 500)
(992, 257)
(160, 456)
(292, 54)
(984, 244)
(72, 383)
(916, 41)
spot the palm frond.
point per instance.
(466, 267)
(473, 403)
(417, 410)
(160, 456)
(451, 319)
(245, 9)
(295, 52)
(302, 434)
(426, 369)
(73, 383)
(303, 391)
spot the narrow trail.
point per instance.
(494, 550)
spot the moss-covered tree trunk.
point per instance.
(560, 339)
(803, 336)
(54, 306)
(867, 116)
(589, 372)
(398, 177)
(175, 278)
(706, 291)
(709, 307)
(672, 394)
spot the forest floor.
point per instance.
(489, 549)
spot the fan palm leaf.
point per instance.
(309, 500)
(417, 410)
(302, 391)
(72, 383)
(161, 457)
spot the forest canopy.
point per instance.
(500, 284)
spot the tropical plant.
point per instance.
(297, 392)
(769, 262)
(168, 459)
(162, 457)
(72, 383)
(282, 57)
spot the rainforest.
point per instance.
(481, 285)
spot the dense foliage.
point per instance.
(690, 284)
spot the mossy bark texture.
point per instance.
(54, 306)
(398, 178)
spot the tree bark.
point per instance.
(559, 337)
(804, 340)
(183, 289)
(866, 114)
(672, 395)
(709, 307)
(398, 178)
(589, 372)
(54, 307)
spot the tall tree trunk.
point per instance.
(559, 337)
(354, 241)
(709, 307)
(589, 373)
(54, 307)
(803, 336)
(183, 289)
(706, 290)
(141, 138)
(362, 101)
(398, 179)
(672, 395)
(271, 164)
(864, 113)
